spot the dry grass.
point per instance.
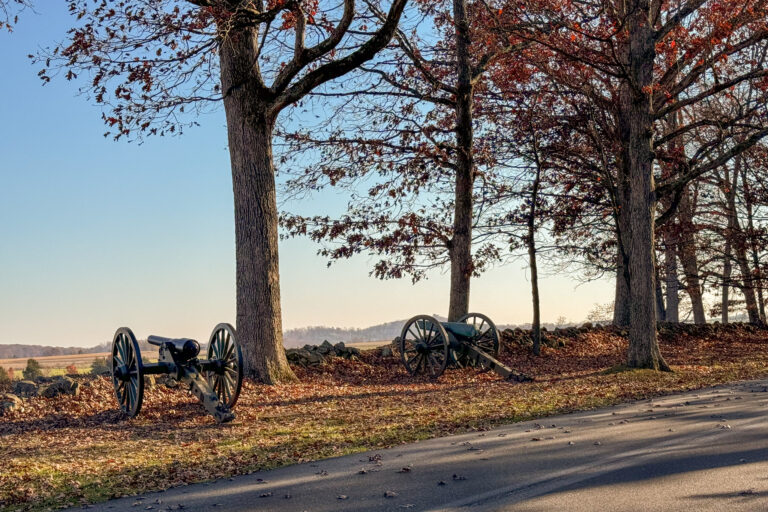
(80, 450)
(54, 362)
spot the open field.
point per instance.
(54, 362)
(368, 345)
(85, 360)
(78, 450)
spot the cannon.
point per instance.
(428, 347)
(215, 381)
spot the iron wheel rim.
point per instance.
(487, 338)
(223, 346)
(127, 371)
(424, 347)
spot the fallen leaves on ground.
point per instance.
(77, 450)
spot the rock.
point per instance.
(314, 358)
(149, 381)
(167, 381)
(386, 352)
(325, 347)
(9, 403)
(60, 386)
(587, 325)
(312, 355)
(25, 388)
(304, 357)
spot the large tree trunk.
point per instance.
(249, 126)
(621, 297)
(726, 286)
(687, 254)
(623, 228)
(670, 274)
(461, 246)
(643, 344)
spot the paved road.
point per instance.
(706, 450)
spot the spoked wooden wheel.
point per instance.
(127, 372)
(226, 374)
(487, 337)
(424, 346)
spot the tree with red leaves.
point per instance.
(148, 61)
(645, 61)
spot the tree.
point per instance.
(99, 366)
(5, 379)
(147, 60)
(33, 370)
(423, 143)
(646, 61)
(9, 12)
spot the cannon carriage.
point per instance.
(215, 381)
(428, 346)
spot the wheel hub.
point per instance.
(121, 373)
(219, 366)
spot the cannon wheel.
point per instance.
(487, 338)
(424, 346)
(127, 372)
(227, 378)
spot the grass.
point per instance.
(80, 450)
(81, 361)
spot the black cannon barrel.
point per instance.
(182, 348)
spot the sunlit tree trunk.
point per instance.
(739, 241)
(249, 128)
(643, 344)
(670, 275)
(461, 244)
(687, 254)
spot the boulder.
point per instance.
(60, 386)
(325, 347)
(386, 352)
(314, 359)
(9, 403)
(304, 357)
(25, 388)
(149, 381)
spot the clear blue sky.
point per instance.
(97, 234)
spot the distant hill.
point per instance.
(19, 351)
(317, 334)
(291, 338)
(386, 331)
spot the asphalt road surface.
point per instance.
(702, 450)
